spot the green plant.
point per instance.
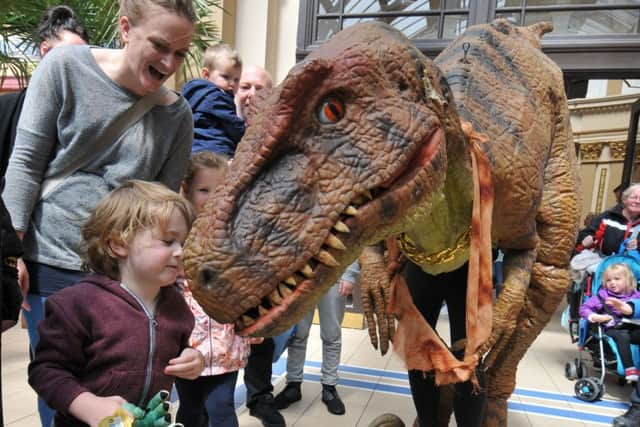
(19, 18)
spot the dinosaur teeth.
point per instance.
(307, 271)
(290, 281)
(359, 200)
(367, 194)
(326, 258)
(275, 298)
(351, 211)
(284, 290)
(341, 227)
(263, 311)
(248, 321)
(335, 243)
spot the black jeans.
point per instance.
(624, 337)
(428, 293)
(257, 373)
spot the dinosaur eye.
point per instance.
(331, 111)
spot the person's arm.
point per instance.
(585, 239)
(348, 279)
(220, 108)
(590, 308)
(59, 355)
(36, 139)
(175, 165)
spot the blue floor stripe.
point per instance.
(514, 406)
(557, 412)
(518, 391)
(279, 369)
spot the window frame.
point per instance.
(579, 56)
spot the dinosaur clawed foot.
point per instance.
(387, 420)
(495, 412)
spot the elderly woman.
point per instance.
(608, 230)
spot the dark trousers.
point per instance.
(428, 293)
(208, 401)
(257, 373)
(624, 337)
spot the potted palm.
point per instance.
(20, 17)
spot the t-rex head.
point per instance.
(346, 151)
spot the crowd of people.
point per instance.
(104, 172)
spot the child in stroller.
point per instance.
(618, 286)
(605, 297)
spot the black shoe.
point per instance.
(289, 395)
(332, 400)
(265, 410)
(631, 418)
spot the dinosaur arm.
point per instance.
(375, 286)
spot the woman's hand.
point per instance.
(588, 242)
(600, 318)
(619, 305)
(188, 365)
(23, 282)
(631, 244)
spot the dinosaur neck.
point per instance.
(441, 239)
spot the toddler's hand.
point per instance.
(619, 305)
(255, 340)
(600, 318)
(188, 365)
(92, 409)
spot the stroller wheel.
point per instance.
(582, 369)
(588, 389)
(575, 369)
(570, 371)
(602, 389)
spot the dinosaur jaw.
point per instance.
(355, 228)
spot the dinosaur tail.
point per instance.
(540, 28)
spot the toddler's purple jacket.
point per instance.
(97, 336)
(595, 304)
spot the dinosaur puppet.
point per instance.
(367, 140)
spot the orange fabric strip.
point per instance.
(415, 341)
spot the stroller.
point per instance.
(591, 338)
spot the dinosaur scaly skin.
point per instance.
(364, 141)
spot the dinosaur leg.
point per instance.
(547, 288)
(557, 223)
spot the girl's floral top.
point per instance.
(223, 350)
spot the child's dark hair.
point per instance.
(57, 19)
(130, 208)
(203, 160)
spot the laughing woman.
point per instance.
(93, 118)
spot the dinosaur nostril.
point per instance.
(207, 276)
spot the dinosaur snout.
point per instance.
(207, 276)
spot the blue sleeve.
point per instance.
(219, 107)
(352, 273)
(635, 305)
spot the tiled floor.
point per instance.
(371, 385)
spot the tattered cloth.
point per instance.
(415, 341)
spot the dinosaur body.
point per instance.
(367, 140)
